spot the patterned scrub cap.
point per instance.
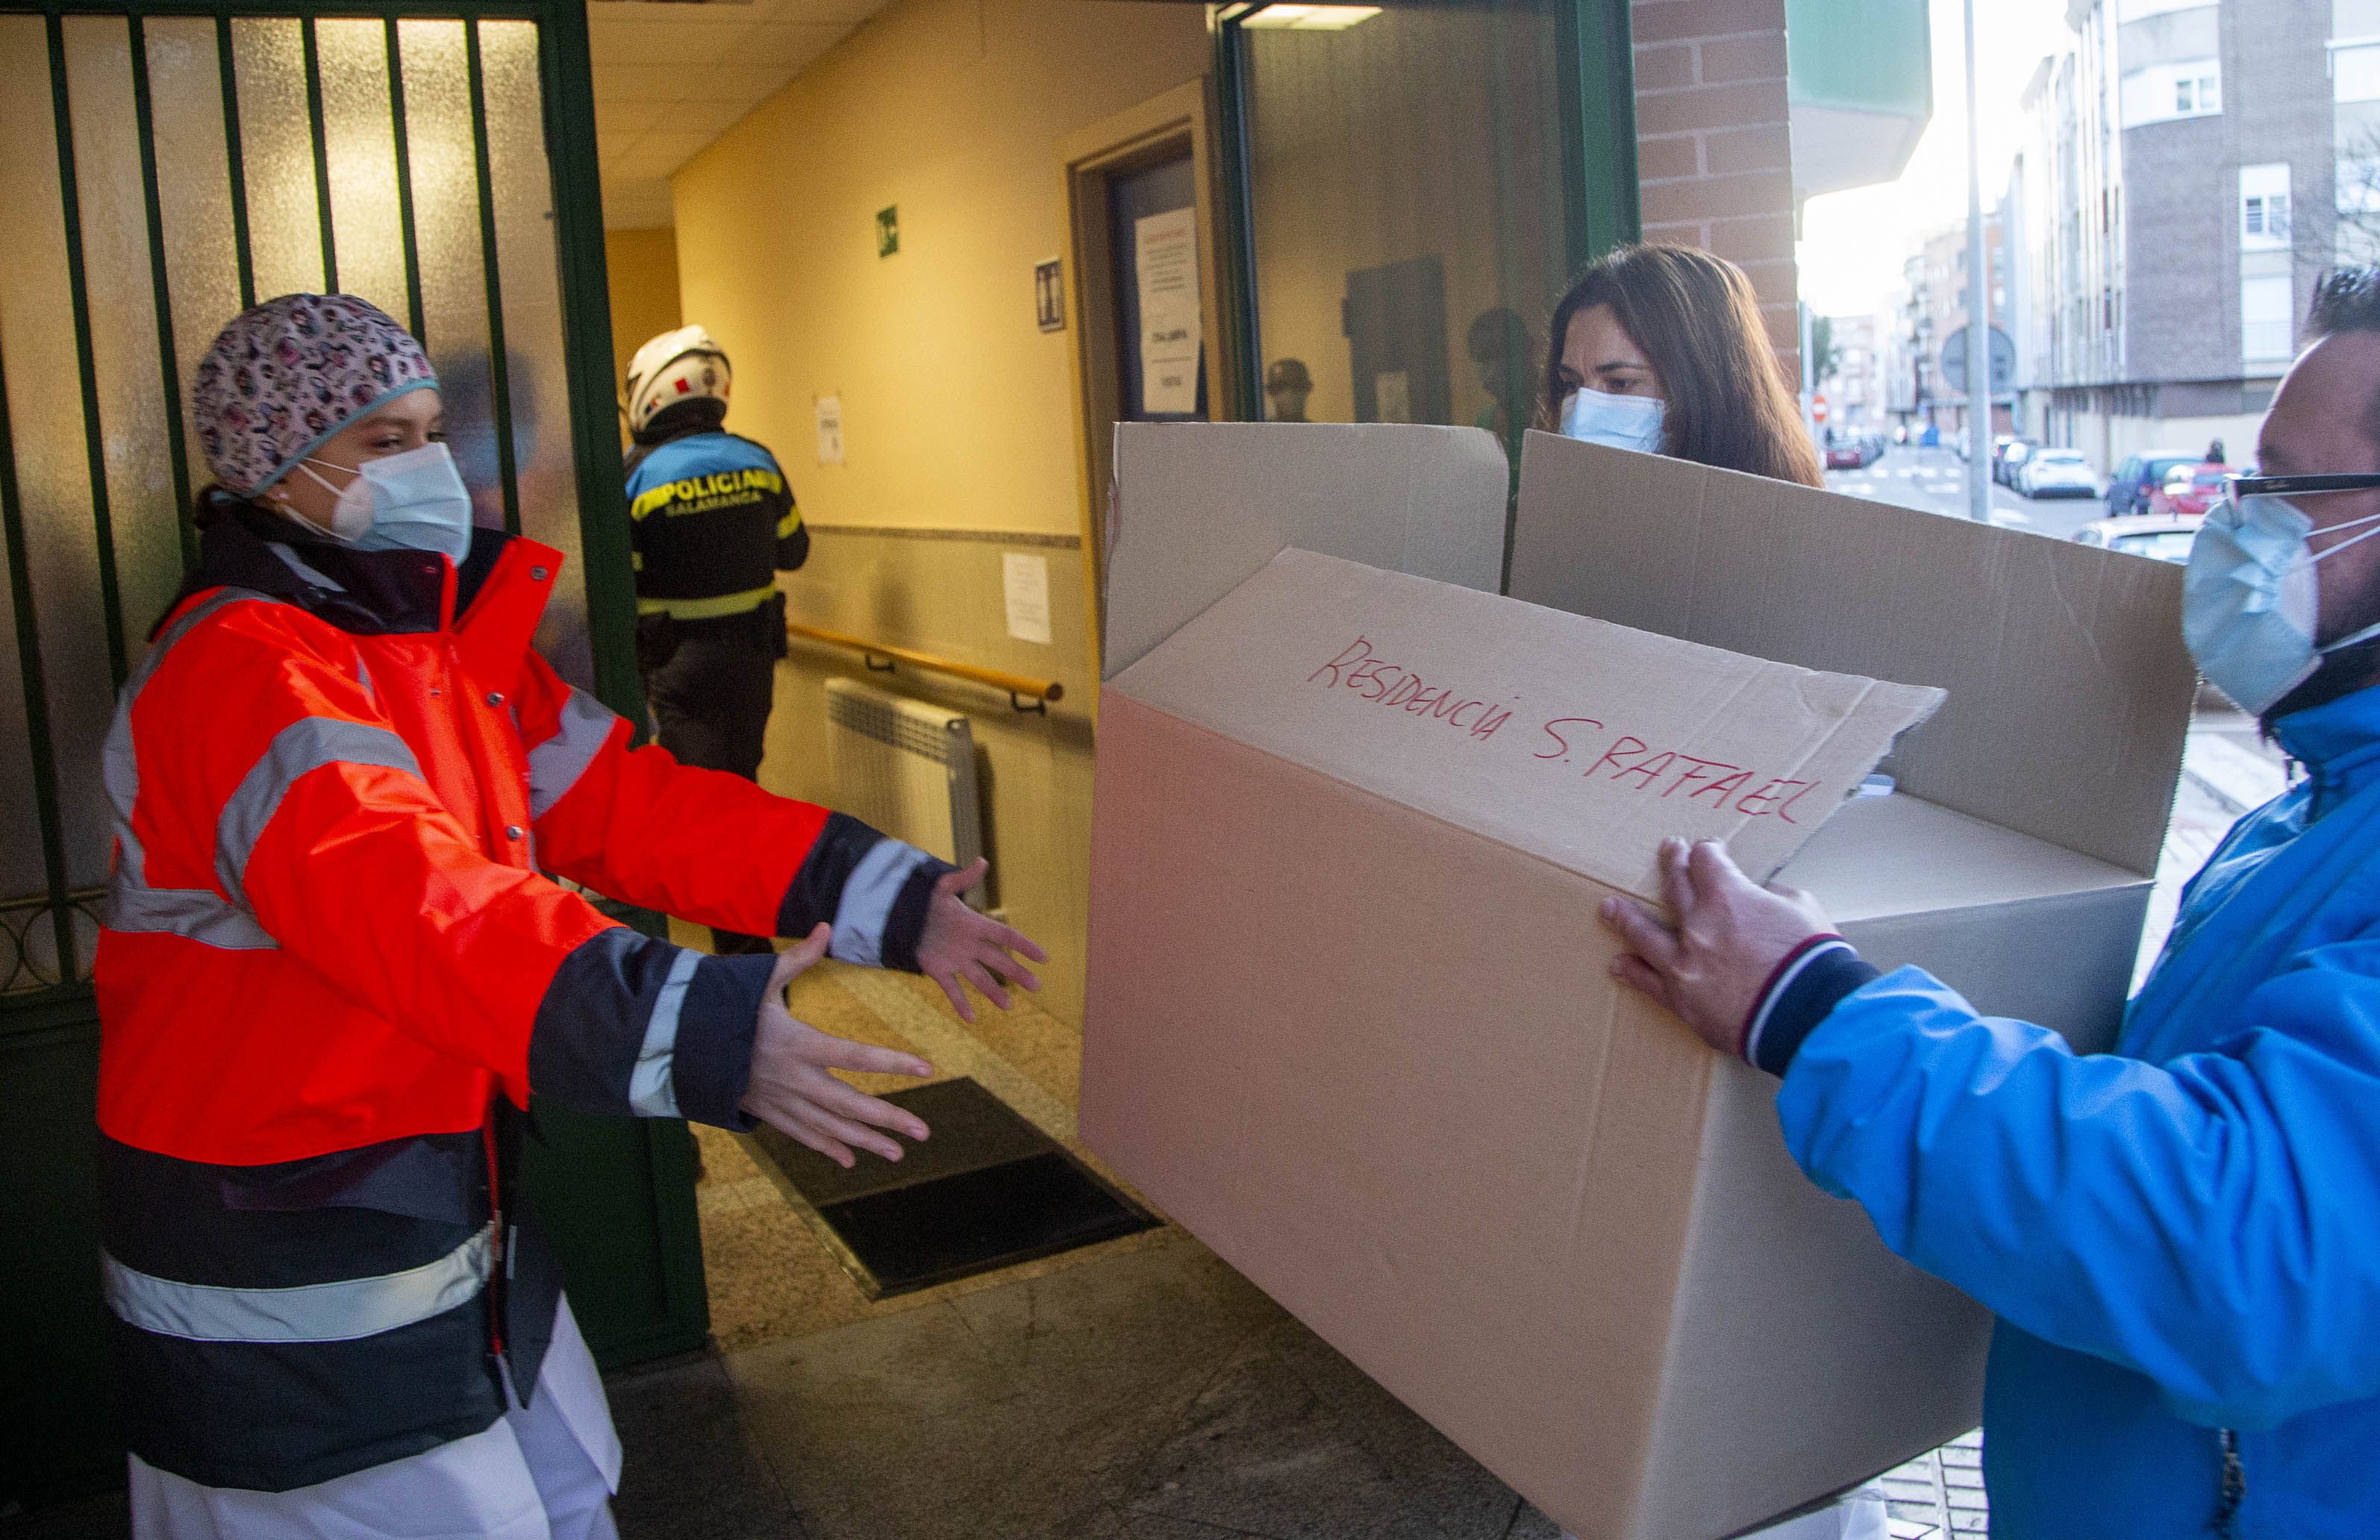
(286, 375)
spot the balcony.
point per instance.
(1860, 81)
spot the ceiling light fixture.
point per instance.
(1310, 18)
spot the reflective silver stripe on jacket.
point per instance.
(200, 913)
(556, 765)
(652, 1091)
(304, 746)
(869, 895)
(339, 1312)
(119, 766)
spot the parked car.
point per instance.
(2158, 539)
(2010, 454)
(2138, 476)
(2191, 489)
(1856, 453)
(2057, 473)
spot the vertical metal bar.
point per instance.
(1598, 122)
(237, 171)
(1978, 384)
(405, 182)
(609, 571)
(322, 156)
(500, 391)
(37, 691)
(1236, 217)
(169, 367)
(95, 443)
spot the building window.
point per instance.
(2355, 71)
(2264, 316)
(2194, 94)
(2191, 88)
(2265, 207)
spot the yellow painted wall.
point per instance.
(643, 266)
(955, 404)
(958, 411)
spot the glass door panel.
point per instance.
(1407, 211)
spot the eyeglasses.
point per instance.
(2285, 486)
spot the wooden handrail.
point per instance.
(1018, 686)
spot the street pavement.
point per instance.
(1934, 480)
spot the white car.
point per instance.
(2057, 473)
(2158, 539)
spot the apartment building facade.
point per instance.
(2176, 198)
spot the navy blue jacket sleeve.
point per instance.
(633, 1025)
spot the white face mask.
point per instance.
(2251, 607)
(411, 502)
(1621, 422)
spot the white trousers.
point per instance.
(544, 1472)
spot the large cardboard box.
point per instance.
(1350, 1018)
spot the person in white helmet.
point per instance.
(714, 522)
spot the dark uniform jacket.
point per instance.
(714, 522)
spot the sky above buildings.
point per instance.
(1854, 243)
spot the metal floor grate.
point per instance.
(986, 1191)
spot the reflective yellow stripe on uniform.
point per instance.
(791, 522)
(707, 609)
(695, 489)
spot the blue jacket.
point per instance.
(2177, 1239)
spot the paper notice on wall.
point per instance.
(1026, 580)
(1166, 252)
(829, 430)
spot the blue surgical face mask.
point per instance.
(411, 502)
(2250, 605)
(1621, 422)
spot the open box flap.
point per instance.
(1575, 739)
(2070, 688)
(1199, 506)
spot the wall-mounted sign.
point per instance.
(887, 230)
(1165, 249)
(829, 430)
(1050, 294)
(1025, 581)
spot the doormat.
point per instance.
(988, 1191)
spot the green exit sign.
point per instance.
(888, 231)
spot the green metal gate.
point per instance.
(169, 162)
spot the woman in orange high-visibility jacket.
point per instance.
(333, 970)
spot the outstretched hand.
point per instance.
(959, 943)
(1709, 969)
(794, 1088)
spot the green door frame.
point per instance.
(1598, 133)
(617, 1193)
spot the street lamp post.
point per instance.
(1979, 313)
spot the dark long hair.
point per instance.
(1698, 323)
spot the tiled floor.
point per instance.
(1136, 1390)
(1153, 1394)
(1940, 1497)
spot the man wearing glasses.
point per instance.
(2181, 1240)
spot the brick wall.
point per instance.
(1713, 156)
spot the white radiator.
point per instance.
(905, 767)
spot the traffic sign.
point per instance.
(2003, 361)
